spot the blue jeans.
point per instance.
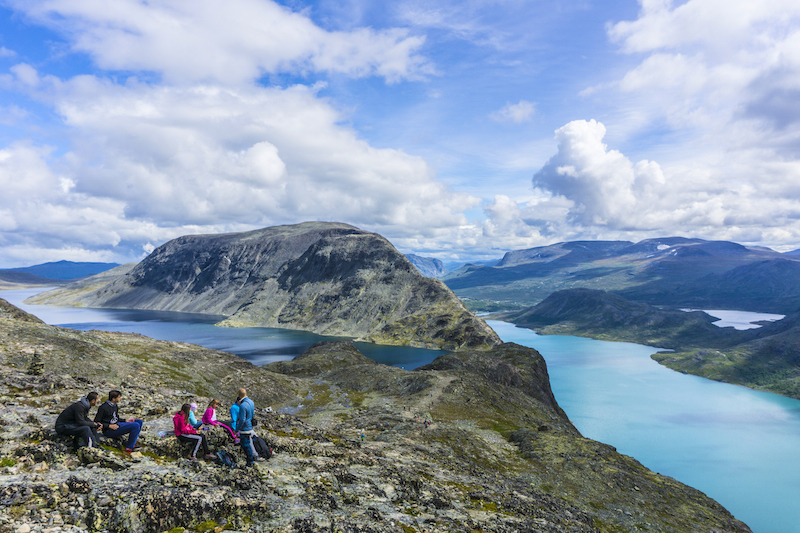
(132, 429)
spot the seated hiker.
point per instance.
(193, 421)
(186, 433)
(210, 417)
(108, 416)
(74, 420)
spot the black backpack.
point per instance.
(261, 447)
(226, 459)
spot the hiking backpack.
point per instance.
(261, 447)
(226, 459)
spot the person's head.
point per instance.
(242, 394)
(114, 396)
(213, 404)
(92, 397)
(193, 406)
(185, 408)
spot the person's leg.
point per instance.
(95, 436)
(139, 422)
(247, 446)
(205, 444)
(131, 429)
(88, 436)
(195, 440)
(252, 446)
(218, 423)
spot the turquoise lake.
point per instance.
(736, 445)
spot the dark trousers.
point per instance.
(131, 429)
(87, 434)
(196, 440)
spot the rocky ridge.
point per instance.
(329, 278)
(472, 442)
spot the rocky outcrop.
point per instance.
(328, 278)
(472, 442)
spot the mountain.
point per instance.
(329, 278)
(793, 252)
(577, 252)
(662, 271)
(455, 265)
(606, 316)
(12, 279)
(64, 269)
(766, 286)
(429, 266)
(475, 441)
(765, 358)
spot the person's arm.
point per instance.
(84, 420)
(242, 417)
(104, 416)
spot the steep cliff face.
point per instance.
(328, 278)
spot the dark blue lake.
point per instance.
(737, 445)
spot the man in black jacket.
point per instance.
(74, 420)
(108, 416)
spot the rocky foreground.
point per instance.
(472, 442)
(329, 278)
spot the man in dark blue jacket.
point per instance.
(244, 425)
(108, 416)
(74, 420)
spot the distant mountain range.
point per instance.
(49, 274)
(329, 278)
(62, 269)
(671, 271)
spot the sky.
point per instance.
(456, 129)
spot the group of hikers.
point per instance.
(75, 421)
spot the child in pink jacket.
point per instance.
(186, 433)
(210, 417)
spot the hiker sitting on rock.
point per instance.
(74, 420)
(244, 425)
(210, 417)
(108, 416)
(186, 433)
(193, 421)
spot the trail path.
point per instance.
(423, 403)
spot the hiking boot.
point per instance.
(211, 456)
(192, 458)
